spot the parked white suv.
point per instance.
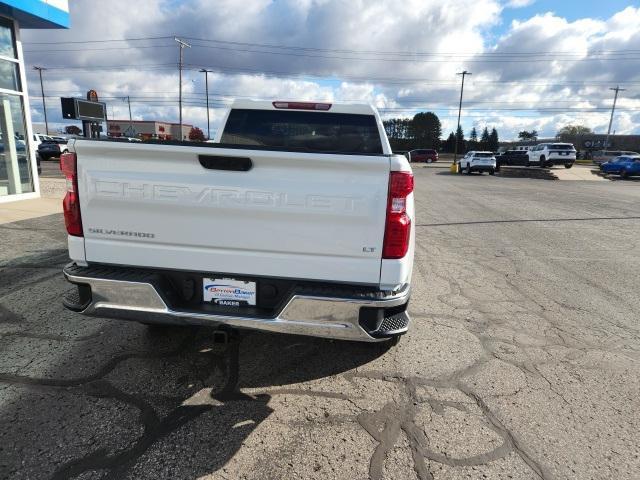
(38, 138)
(549, 154)
(477, 162)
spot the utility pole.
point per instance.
(181, 45)
(455, 148)
(206, 89)
(130, 118)
(44, 108)
(613, 109)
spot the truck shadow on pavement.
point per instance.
(106, 399)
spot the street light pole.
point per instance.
(613, 109)
(130, 118)
(44, 108)
(455, 148)
(181, 45)
(206, 89)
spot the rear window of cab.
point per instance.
(317, 132)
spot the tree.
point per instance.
(473, 136)
(450, 143)
(421, 131)
(525, 135)
(196, 135)
(493, 141)
(72, 130)
(460, 140)
(484, 139)
(473, 139)
(398, 128)
(426, 129)
(574, 130)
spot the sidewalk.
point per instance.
(25, 209)
(51, 190)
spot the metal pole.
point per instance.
(181, 45)
(130, 119)
(44, 108)
(180, 94)
(455, 149)
(613, 108)
(206, 89)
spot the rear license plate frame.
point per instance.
(229, 292)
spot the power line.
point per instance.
(103, 67)
(58, 50)
(98, 41)
(225, 98)
(335, 50)
(379, 58)
(312, 52)
(476, 57)
(222, 69)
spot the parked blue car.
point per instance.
(624, 165)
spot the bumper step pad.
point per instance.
(393, 325)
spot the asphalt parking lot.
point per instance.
(522, 360)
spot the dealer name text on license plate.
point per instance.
(228, 292)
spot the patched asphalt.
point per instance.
(522, 360)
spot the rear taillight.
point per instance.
(398, 227)
(71, 202)
(302, 105)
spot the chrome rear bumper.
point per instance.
(319, 316)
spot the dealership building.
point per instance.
(586, 142)
(18, 170)
(147, 129)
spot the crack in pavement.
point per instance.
(117, 464)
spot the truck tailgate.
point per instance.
(295, 215)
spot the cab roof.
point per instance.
(333, 107)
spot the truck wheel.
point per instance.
(542, 164)
(568, 165)
(429, 160)
(468, 169)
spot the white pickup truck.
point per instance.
(298, 220)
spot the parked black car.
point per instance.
(51, 149)
(512, 157)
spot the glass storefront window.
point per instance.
(15, 164)
(7, 45)
(16, 176)
(9, 75)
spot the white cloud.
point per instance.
(357, 50)
(519, 3)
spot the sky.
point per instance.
(535, 64)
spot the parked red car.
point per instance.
(426, 156)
